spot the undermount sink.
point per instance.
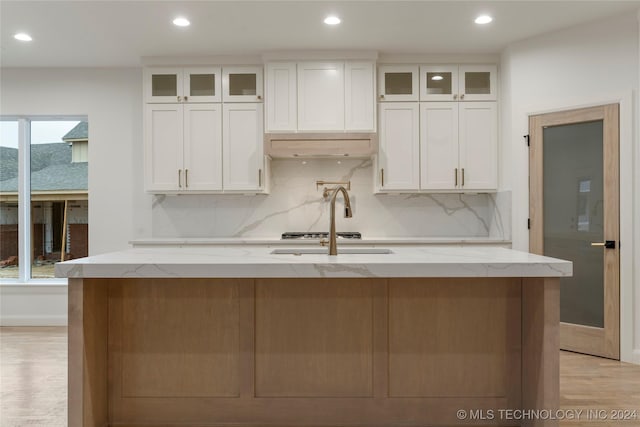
(324, 251)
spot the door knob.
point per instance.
(608, 244)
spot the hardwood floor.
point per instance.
(33, 383)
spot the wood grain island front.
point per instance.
(385, 351)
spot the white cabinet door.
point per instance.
(242, 147)
(321, 96)
(281, 97)
(202, 84)
(359, 88)
(439, 83)
(398, 83)
(202, 147)
(242, 84)
(478, 82)
(163, 85)
(399, 160)
(163, 147)
(439, 145)
(478, 145)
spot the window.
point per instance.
(43, 191)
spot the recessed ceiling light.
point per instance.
(332, 20)
(483, 19)
(437, 78)
(181, 22)
(23, 37)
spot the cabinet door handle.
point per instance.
(180, 178)
(186, 178)
(179, 98)
(381, 96)
(382, 177)
(463, 177)
(185, 98)
(455, 174)
(455, 96)
(462, 96)
(259, 96)
(259, 177)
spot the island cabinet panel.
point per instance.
(311, 352)
(314, 338)
(454, 338)
(164, 348)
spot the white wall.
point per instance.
(584, 65)
(112, 101)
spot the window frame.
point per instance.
(24, 203)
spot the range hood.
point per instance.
(320, 145)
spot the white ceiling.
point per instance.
(119, 33)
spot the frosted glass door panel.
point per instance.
(478, 82)
(398, 83)
(438, 83)
(573, 216)
(164, 85)
(242, 84)
(202, 85)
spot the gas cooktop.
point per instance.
(320, 235)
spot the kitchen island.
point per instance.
(219, 335)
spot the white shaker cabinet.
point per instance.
(281, 97)
(359, 93)
(478, 132)
(458, 146)
(192, 84)
(242, 147)
(183, 147)
(242, 84)
(398, 83)
(458, 82)
(320, 96)
(439, 146)
(398, 163)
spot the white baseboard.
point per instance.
(32, 320)
(33, 305)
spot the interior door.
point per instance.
(574, 215)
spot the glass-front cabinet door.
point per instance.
(202, 84)
(242, 84)
(163, 85)
(439, 83)
(169, 85)
(477, 82)
(398, 83)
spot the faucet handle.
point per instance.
(324, 242)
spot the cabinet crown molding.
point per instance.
(321, 55)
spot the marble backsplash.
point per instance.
(296, 205)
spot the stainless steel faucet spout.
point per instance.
(333, 247)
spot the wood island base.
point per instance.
(312, 352)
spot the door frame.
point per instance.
(604, 341)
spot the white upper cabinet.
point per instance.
(320, 96)
(478, 145)
(458, 83)
(242, 84)
(439, 83)
(183, 147)
(399, 145)
(478, 82)
(281, 97)
(242, 147)
(398, 83)
(332, 96)
(195, 84)
(439, 146)
(202, 147)
(359, 93)
(458, 146)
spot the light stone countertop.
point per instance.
(235, 261)
(216, 241)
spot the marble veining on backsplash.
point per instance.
(296, 205)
